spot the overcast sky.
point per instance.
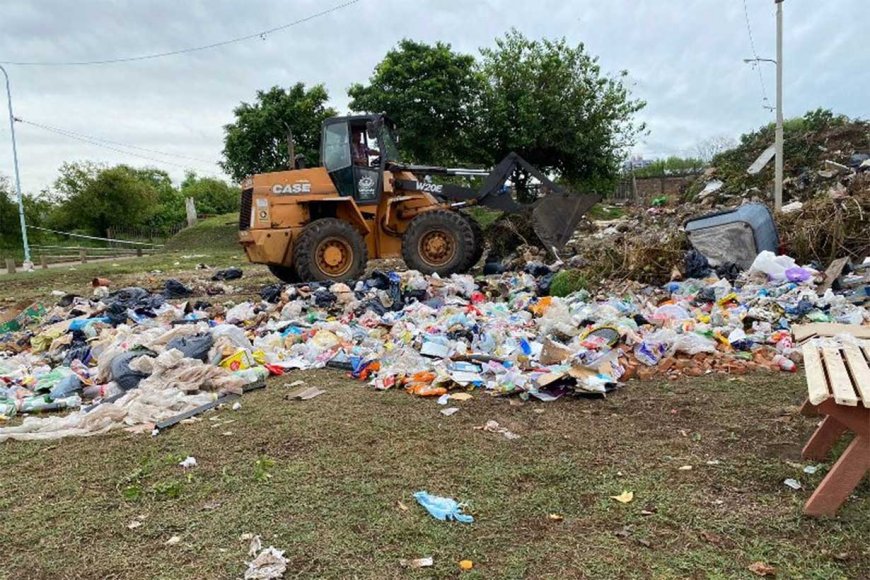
(684, 58)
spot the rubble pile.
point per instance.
(137, 359)
(823, 153)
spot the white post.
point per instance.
(190, 206)
(28, 265)
(777, 192)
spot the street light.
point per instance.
(778, 170)
(759, 60)
(754, 62)
(28, 265)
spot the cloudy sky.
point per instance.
(684, 59)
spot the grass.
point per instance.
(484, 216)
(567, 282)
(324, 479)
(604, 212)
(213, 241)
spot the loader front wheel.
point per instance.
(439, 241)
(330, 250)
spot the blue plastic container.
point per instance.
(736, 235)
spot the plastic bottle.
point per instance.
(785, 364)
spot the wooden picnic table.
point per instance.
(838, 385)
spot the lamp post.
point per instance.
(777, 192)
(778, 140)
(28, 265)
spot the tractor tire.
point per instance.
(286, 274)
(330, 250)
(440, 241)
(479, 243)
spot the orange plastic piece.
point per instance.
(541, 306)
(425, 390)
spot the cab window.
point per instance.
(336, 147)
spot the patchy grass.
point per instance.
(484, 216)
(212, 241)
(567, 282)
(604, 212)
(218, 233)
(322, 480)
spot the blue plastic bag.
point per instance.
(442, 508)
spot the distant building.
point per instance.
(637, 162)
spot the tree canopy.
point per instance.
(212, 196)
(430, 92)
(256, 142)
(93, 198)
(551, 103)
(545, 99)
(116, 197)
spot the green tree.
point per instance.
(169, 209)
(256, 142)
(74, 177)
(670, 166)
(552, 104)
(212, 196)
(115, 198)
(9, 225)
(430, 92)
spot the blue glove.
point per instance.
(442, 508)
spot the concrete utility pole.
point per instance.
(28, 265)
(777, 191)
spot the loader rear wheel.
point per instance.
(330, 250)
(438, 241)
(286, 274)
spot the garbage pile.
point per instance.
(136, 359)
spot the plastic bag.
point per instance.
(175, 289)
(196, 346)
(442, 508)
(774, 266)
(240, 313)
(121, 372)
(228, 274)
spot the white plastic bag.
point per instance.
(772, 265)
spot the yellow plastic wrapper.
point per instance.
(239, 361)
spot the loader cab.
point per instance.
(354, 151)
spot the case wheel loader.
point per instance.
(324, 223)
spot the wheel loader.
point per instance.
(324, 223)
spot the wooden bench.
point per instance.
(838, 383)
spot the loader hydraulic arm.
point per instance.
(555, 215)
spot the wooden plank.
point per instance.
(832, 273)
(817, 383)
(860, 371)
(805, 331)
(841, 382)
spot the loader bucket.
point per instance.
(556, 215)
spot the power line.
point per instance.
(262, 34)
(755, 56)
(71, 133)
(99, 144)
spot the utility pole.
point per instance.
(777, 191)
(28, 265)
